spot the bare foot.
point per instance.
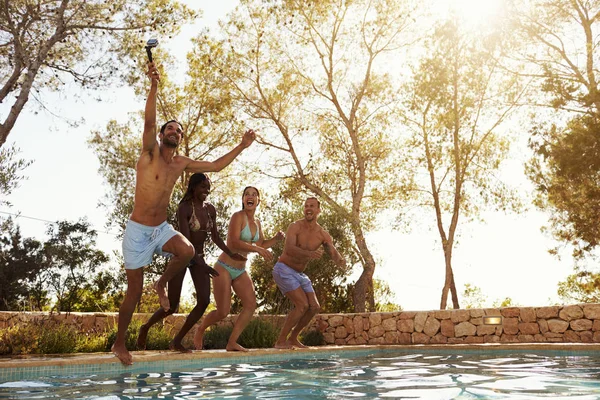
(284, 345)
(235, 347)
(141, 340)
(198, 339)
(163, 299)
(177, 346)
(122, 354)
(296, 343)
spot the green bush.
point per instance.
(313, 338)
(56, 339)
(20, 339)
(91, 343)
(158, 338)
(216, 337)
(258, 334)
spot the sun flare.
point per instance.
(473, 12)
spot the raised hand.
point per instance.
(248, 138)
(153, 73)
(279, 236)
(264, 253)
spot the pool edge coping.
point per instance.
(61, 360)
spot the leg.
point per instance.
(300, 301)
(135, 283)
(313, 309)
(174, 287)
(201, 281)
(222, 292)
(245, 290)
(182, 251)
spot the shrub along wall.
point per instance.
(571, 323)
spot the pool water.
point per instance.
(399, 375)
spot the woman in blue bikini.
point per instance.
(244, 236)
(197, 222)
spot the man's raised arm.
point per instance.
(223, 161)
(149, 137)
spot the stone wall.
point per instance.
(571, 323)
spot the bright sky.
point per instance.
(506, 256)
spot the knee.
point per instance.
(187, 252)
(221, 313)
(202, 302)
(302, 307)
(173, 309)
(314, 308)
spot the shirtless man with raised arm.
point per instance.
(147, 231)
(303, 242)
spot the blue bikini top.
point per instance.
(246, 234)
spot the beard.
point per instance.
(170, 143)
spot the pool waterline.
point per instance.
(18, 368)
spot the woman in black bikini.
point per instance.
(196, 220)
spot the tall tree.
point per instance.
(314, 76)
(560, 40)
(71, 259)
(457, 103)
(21, 266)
(45, 42)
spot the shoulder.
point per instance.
(211, 208)
(237, 216)
(324, 233)
(295, 226)
(184, 207)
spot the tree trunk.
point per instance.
(449, 284)
(363, 289)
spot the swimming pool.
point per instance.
(421, 373)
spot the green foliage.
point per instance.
(71, 259)
(158, 338)
(20, 339)
(580, 287)
(91, 343)
(258, 334)
(312, 338)
(21, 267)
(565, 171)
(384, 297)
(38, 337)
(216, 337)
(10, 171)
(507, 302)
(473, 297)
(57, 339)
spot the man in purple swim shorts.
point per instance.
(302, 243)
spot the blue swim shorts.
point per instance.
(140, 242)
(289, 279)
